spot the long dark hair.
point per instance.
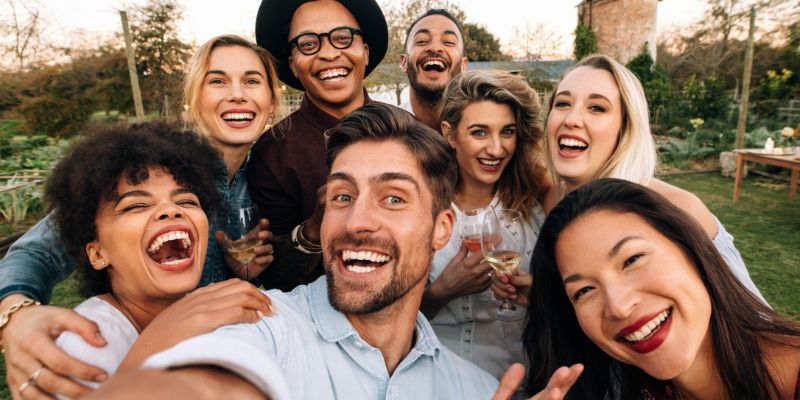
(739, 320)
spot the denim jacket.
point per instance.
(39, 260)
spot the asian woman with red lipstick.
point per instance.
(648, 306)
(491, 119)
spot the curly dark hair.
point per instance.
(88, 175)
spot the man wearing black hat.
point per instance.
(434, 54)
(325, 48)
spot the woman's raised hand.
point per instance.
(201, 311)
(29, 343)
(558, 386)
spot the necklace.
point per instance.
(127, 313)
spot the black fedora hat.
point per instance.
(272, 30)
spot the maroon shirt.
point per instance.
(285, 171)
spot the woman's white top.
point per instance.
(118, 332)
(464, 324)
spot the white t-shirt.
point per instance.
(118, 332)
(464, 324)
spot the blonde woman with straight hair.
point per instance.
(598, 127)
(491, 119)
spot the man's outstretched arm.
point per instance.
(197, 382)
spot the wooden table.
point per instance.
(791, 161)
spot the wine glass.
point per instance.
(503, 244)
(243, 240)
(471, 228)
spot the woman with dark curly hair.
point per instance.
(230, 94)
(649, 306)
(129, 203)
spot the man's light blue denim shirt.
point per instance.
(39, 259)
(322, 356)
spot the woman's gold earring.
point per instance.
(271, 120)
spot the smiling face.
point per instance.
(434, 55)
(635, 294)
(484, 140)
(235, 98)
(584, 124)
(152, 238)
(332, 78)
(377, 233)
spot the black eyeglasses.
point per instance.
(310, 43)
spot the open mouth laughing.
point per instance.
(333, 74)
(238, 118)
(648, 333)
(572, 144)
(365, 261)
(490, 164)
(433, 64)
(172, 249)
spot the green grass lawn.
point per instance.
(764, 222)
(766, 226)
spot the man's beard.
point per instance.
(371, 301)
(429, 93)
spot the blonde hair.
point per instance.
(634, 158)
(520, 183)
(198, 67)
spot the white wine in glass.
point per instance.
(503, 243)
(243, 241)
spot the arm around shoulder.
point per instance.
(689, 203)
(35, 263)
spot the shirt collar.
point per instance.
(319, 118)
(333, 326)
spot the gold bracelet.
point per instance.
(6, 316)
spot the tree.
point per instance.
(22, 30)
(58, 101)
(160, 53)
(481, 45)
(534, 42)
(585, 42)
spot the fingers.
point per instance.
(222, 239)
(88, 330)
(560, 383)
(58, 362)
(229, 293)
(24, 365)
(510, 382)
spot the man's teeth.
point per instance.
(569, 142)
(489, 163)
(173, 235)
(648, 328)
(431, 63)
(243, 116)
(360, 270)
(370, 256)
(332, 73)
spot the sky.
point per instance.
(205, 19)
